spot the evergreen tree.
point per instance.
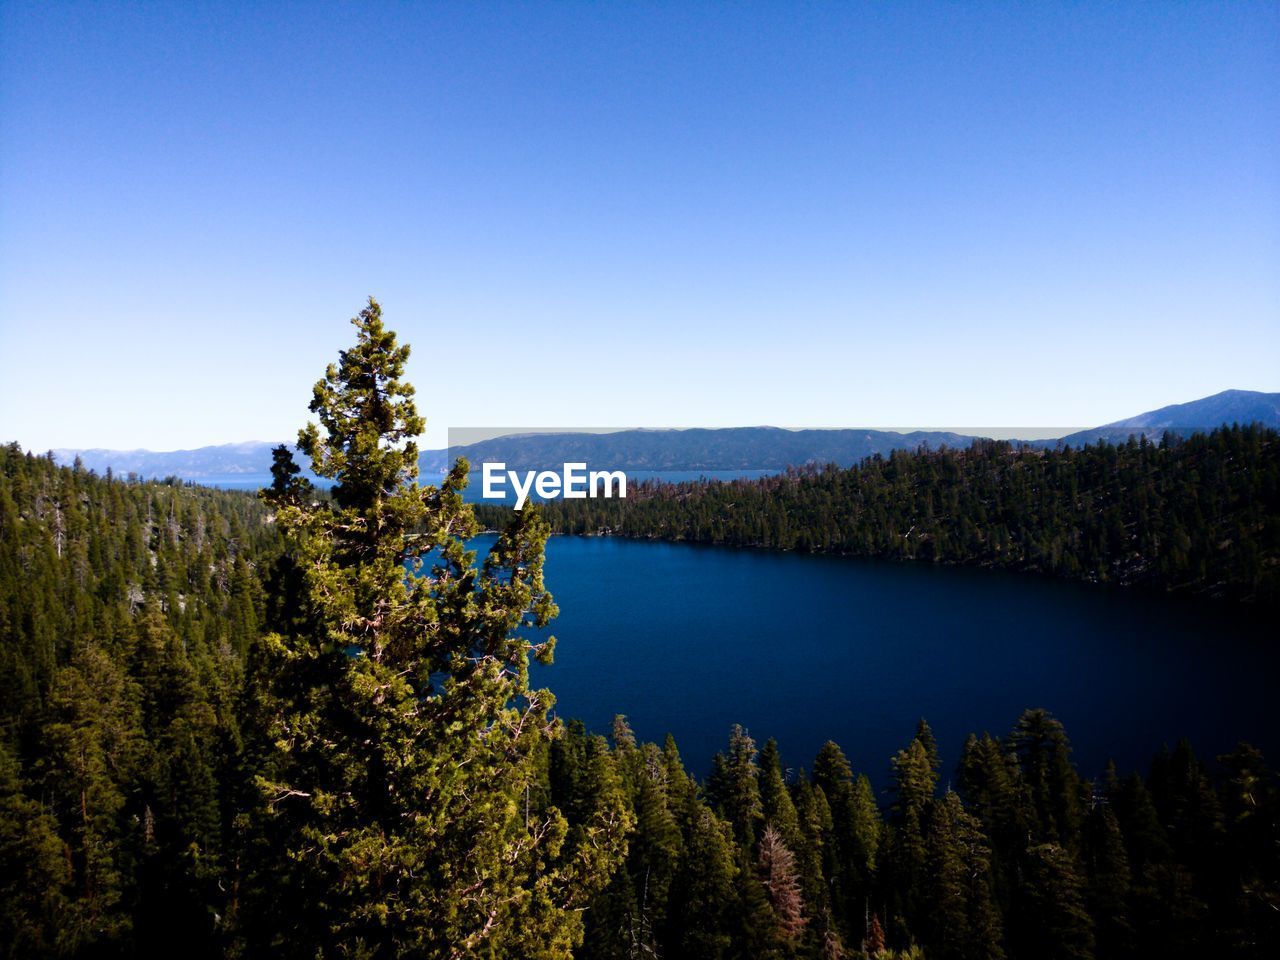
(776, 867)
(756, 932)
(95, 752)
(990, 783)
(618, 926)
(705, 899)
(874, 943)
(915, 778)
(984, 923)
(1251, 806)
(734, 787)
(1057, 925)
(924, 734)
(961, 919)
(405, 731)
(943, 923)
(914, 781)
(776, 806)
(631, 916)
(852, 841)
(816, 828)
(180, 862)
(1048, 776)
(1107, 867)
(33, 871)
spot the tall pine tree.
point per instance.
(403, 730)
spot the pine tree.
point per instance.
(865, 832)
(816, 826)
(776, 805)
(180, 858)
(915, 778)
(33, 870)
(914, 781)
(980, 935)
(1188, 806)
(1251, 802)
(873, 943)
(1056, 925)
(943, 923)
(1107, 868)
(734, 786)
(1146, 841)
(924, 734)
(704, 898)
(852, 841)
(776, 867)
(1053, 787)
(404, 732)
(616, 920)
(286, 484)
(990, 783)
(756, 932)
(95, 752)
(960, 918)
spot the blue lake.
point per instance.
(688, 640)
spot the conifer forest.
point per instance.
(303, 724)
(1199, 514)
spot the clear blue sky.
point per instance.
(635, 214)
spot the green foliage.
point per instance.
(1107, 867)
(1056, 923)
(1049, 779)
(125, 609)
(961, 918)
(1200, 514)
(776, 806)
(405, 738)
(734, 787)
(304, 726)
(705, 897)
(33, 870)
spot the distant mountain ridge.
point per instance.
(731, 448)
(227, 459)
(1229, 406)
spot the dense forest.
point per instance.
(234, 727)
(1198, 514)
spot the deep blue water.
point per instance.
(688, 640)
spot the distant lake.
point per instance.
(690, 639)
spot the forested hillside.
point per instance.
(235, 728)
(1200, 514)
(127, 611)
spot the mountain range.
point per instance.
(727, 449)
(1230, 406)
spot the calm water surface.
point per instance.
(688, 640)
